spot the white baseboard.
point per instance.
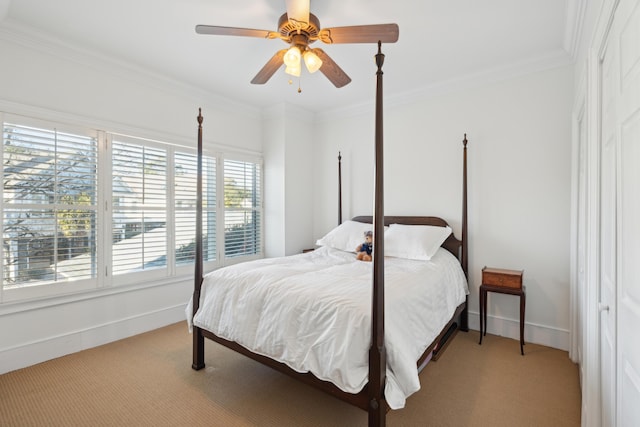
(61, 345)
(57, 346)
(533, 333)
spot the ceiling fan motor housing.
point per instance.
(300, 34)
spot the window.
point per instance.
(139, 220)
(242, 203)
(83, 209)
(49, 215)
(185, 209)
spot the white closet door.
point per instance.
(627, 24)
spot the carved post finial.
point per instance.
(200, 118)
(464, 141)
(379, 57)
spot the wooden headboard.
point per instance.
(452, 244)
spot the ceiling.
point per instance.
(440, 41)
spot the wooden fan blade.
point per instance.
(331, 70)
(386, 33)
(298, 11)
(233, 31)
(269, 68)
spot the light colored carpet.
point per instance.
(147, 380)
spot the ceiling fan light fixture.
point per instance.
(312, 61)
(292, 57)
(293, 70)
(298, 28)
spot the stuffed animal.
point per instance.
(364, 249)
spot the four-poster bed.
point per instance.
(370, 395)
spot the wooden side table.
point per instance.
(504, 282)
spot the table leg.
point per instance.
(484, 307)
(523, 302)
(481, 312)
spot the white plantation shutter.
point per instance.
(243, 208)
(49, 214)
(185, 166)
(139, 203)
(83, 209)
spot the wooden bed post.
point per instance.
(339, 188)
(198, 338)
(377, 352)
(464, 317)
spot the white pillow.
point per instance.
(419, 242)
(346, 237)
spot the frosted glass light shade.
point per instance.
(294, 71)
(292, 57)
(312, 61)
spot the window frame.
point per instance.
(170, 273)
(54, 288)
(112, 279)
(217, 262)
(260, 208)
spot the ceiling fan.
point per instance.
(300, 28)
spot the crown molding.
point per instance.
(549, 61)
(31, 38)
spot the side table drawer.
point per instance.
(500, 277)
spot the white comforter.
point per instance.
(313, 312)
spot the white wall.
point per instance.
(288, 146)
(299, 161)
(274, 127)
(119, 98)
(519, 134)
(48, 81)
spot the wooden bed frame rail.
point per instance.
(371, 398)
